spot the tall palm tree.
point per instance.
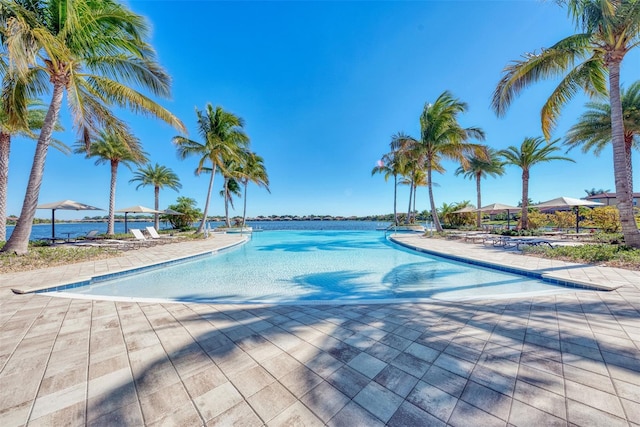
(608, 30)
(479, 167)
(531, 152)
(393, 164)
(593, 130)
(442, 137)
(96, 52)
(109, 147)
(34, 115)
(159, 177)
(252, 169)
(223, 138)
(230, 188)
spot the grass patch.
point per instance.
(40, 256)
(602, 253)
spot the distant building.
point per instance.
(609, 199)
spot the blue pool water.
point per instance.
(304, 266)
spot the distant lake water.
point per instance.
(43, 231)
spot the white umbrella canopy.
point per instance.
(136, 209)
(466, 209)
(65, 205)
(171, 212)
(568, 202)
(495, 208)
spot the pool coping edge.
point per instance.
(547, 277)
(126, 270)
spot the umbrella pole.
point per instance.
(53, 225)
(125, 223)
(577, 220)
(508, 220)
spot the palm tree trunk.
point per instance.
(415, 194)
(628, 146)
(479, 214)
(395, 199)
(156, 217)
(19, 240)
(434, 212)
(5, 148)
(227, 223)
(408, 219)
(244, 207)
(112, 198)
(620, 165)
(206, 204)
(524, 220)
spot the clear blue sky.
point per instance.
(322, 86)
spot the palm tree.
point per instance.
(595, 191)
(95, 51)
(479, 167)
(159, 177)
(442, 137)
(34, 114)
(230, 188)
(109, 147)
(593, 130)
(223, 140)
(609, 29)
(393, 164)
(531, 152)
(252, 169)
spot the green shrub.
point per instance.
(596, 253)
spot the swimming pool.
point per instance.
(316, 266)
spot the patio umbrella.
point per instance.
(568, 202)
(466, 209)
(65, 205)
(171, 212)
(136, 209)
(495, 208)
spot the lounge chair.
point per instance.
(91, 235)
(140, 239)
(153, 233)
(518, 243)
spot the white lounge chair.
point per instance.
(140, 239)
(153, 233)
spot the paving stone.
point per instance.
(411, 364)
(354, 415)
(433, 400)
(300, 380)
(396, 380)
(325, 401)
(453, 364)
(468, 415)
(488, 400)
(348, 381)
(378, 400)
(410, 415)
(217, 401)
(541, 399)
(367, 365)
(581, 414)
(445, 380)
(252, 380)
(296, 415)
(594, 398)
(240, 415)
(525, 415)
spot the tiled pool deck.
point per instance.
(571, 359)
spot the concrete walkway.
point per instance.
(570, 359)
